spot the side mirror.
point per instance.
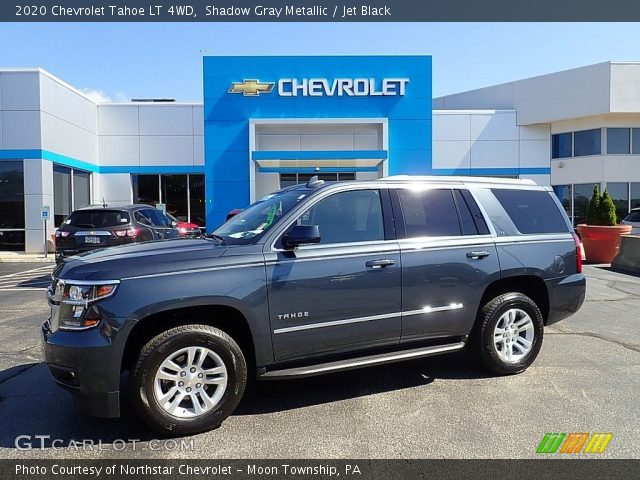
(174, 224)
(300, 235)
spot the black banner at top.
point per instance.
(318, 10)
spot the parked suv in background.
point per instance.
(313, 279)
(94, 227)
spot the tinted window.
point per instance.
(97, 218)
(618, 140)
(140, 218)
(466, 219)
(347, 217)
(561, 145)
(429, 213)
(481, 227)
(532, 211)
(156, 217)
(587, 142)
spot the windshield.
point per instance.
(249, 225)
(97, 218)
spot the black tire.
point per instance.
(483, 335)
(160, 348)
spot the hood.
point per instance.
(146, 258)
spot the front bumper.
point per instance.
(86, 363)
(566, 296)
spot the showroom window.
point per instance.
(618, 141)
(562, 145)
(581, 196)
(11, 205)
(290, 179)
(587, 142)
(183, 195)
(635, 141)
(620, 194)
(635, 195)
(71, 190)
(563, 192)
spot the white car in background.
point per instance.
(633, 219)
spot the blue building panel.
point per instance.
(392, 88)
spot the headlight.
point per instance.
(77, 298)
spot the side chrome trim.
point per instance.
(334, 323)
(369, 360)
(423, 311)
(64, 281)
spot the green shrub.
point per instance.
(593, 207)
(601, 210)
(608, 215)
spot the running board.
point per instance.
(360, 362)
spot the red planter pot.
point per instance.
(601, 244)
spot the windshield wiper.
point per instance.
(219, 238)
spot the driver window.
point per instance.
(347, 217)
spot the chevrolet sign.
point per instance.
(322, 87)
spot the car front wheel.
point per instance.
(508, 334)
(188, 379)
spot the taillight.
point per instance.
(131, 232)
(576, 240)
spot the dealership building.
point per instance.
(270, 122)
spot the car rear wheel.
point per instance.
(508, 333)
(188, 379)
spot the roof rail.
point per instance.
(457, 178)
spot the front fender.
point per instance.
(243, 289)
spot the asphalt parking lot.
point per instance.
(586, 379)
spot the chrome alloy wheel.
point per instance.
(513, 335)
(190, 382)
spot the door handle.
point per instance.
(477, 255)
(378, 264)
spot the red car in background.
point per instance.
(186, 229)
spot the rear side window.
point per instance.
(429, 213)
(532, 211)
(156, 217)
(97, 218)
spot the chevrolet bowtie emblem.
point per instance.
(251, 87)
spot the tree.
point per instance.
(601, 210)
(608, 215)
(593, 207)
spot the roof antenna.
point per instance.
(104, 204)
(314, 182)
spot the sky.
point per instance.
(119, 61)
